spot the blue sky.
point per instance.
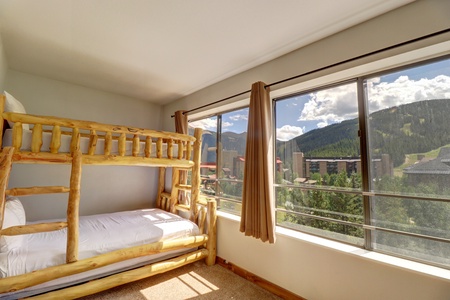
(300, 114)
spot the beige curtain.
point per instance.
(257, 217)
(181, 126)
(181, 122)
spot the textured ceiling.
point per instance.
(158, 50)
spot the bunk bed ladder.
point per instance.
(168, 200)
(6, 160)
(200, 212)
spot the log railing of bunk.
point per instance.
(81, 129)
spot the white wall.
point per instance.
(3, 65)
(318, 272)
(307, 269)
(44, 96)
(408, 22)
(108, 188)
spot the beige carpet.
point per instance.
(194, 281)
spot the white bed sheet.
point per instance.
(84, 144)
(98, 234)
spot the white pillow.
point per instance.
(14, 216)
(14, 105)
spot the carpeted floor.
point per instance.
(194, 281)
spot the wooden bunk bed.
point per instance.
(121, 146)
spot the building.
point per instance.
(431, 171)
(305, 166)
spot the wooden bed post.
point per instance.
(211, 244)
(161, 185)
(73, 208)
(2, 109)
(5, 169)
(175, 189)
(196, 173)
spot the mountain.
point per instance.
(234, 141)
(334, 140)
(410, 128)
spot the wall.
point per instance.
(3, 66)
(308, 269)
(110, 188)
(408, 22)
(317, 271)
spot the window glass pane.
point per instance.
(224, 142)
(317, 138)
(318, 146)
(424, 217)
(329, 214)
(208, 154)
(409, 130)
(233, 137)
(409, 150)
(231, 203)
(414, 247)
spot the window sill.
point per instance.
(370, 255)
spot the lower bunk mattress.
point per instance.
(98, 234)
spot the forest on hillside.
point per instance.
(410, 128)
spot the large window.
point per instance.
(318, 178)
(409, 132)
(368, 162)
(222, 159)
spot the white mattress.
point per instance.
(84, 144)
(98, 234)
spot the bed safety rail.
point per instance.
(132, 146)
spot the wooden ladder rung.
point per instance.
(36, 190)
(166, 195)
(182, 207)
(33, 228)
(185, 168)
(184, 187)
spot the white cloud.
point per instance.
(288, 132)
(340, 103)
(206, 124)
(331, 105)
(226, 124)
(405, 90)
(239, 117)
(322, 124)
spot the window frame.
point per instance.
(366, 68)
(366, 190)
(218, 114)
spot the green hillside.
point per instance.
(417, 127)
(411, 128)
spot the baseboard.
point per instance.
(273, 288)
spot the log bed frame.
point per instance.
(199, 211)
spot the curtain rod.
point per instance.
(328, 67)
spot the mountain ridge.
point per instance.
(408, 128)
